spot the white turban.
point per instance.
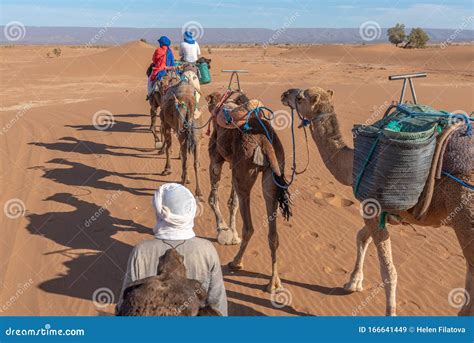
(175, 209)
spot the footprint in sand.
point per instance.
(335, 271)
(334, 199)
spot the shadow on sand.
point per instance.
(97, 260)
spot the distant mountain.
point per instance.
(113, 36)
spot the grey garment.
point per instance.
(201, 261)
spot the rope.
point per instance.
(366, 162)
(467, 119)
(461, 182)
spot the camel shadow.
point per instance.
(117, 126)
(79, 174)
(336, 291)
(95, 259)
(72, 144)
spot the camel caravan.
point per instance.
(413, 166)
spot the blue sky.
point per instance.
(237, 13)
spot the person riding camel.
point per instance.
(163, 60)
(189, 48)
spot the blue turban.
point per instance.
(164, 41)
(188, 37)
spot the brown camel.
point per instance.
(239, 149)
(155, 99)
(169, 293)
(316, 105)
(178, 114)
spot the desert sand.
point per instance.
(65, 171)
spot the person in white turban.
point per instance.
(175, 208)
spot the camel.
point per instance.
(316, 105)
(169, 293)
(155, 99)
(239, 149)
(178, 113)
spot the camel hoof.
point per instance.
(159, 145)
(166, 172)
(272, 289)
(225, 236)
(235, 266)
(354, 286)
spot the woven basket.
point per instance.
(392, 162)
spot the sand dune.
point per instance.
(62, 171)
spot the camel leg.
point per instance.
(388, 272)
(459, 201)
(197, 154)
(243, 179)
(363, 241)
(233, 205)
(167, 146)
(271, 203)
(183, 153)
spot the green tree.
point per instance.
(396, 34)
(417, 38)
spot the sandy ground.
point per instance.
(60, 171)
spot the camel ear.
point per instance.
(315, 101)
(331, 93)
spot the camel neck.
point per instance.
(336, 155)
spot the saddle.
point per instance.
(454, 154)
(232, 116)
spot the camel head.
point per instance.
(212, 100)
(309, 102)
(171, 263)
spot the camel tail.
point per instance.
(189, 127)
(283, 194)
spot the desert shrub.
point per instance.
(396, 34)
(209, 50)
(57, 52)
(417, 38)
(143, 40)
